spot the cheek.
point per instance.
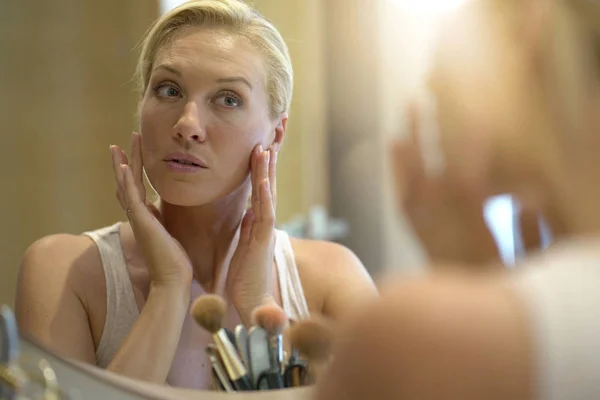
(155, 124)
(232, 149)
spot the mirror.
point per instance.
(332, 175)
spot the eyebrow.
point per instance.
(234, 79)
(168, 68)
(231, 79)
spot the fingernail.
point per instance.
(260, 148)
(268, 157)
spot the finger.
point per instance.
(116, 157)
(246, 229)
(124, 157)
(254, 161)
(136, 161)
(263, 227)
(134, 202)
(260, 173)
(273, 176)
(263, 176)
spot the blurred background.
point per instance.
(66, 70)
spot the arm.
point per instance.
(432, 340)
(50, 307)
(46, 304)
(334, 274)
(147, 352)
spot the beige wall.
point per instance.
(66, 94)
(302, 178)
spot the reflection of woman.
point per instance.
(216, 83)
(518, 114)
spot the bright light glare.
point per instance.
(430, 5)
(168, 5)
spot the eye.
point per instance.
(229, 100)
(167, 90)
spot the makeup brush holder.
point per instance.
(262, 361)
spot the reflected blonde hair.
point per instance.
(573, 57)
(237, 18)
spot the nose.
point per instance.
(189, 127)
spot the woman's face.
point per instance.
(206, 107)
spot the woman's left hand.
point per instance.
(250, 272)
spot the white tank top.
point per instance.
(122, 310)
(561, 290)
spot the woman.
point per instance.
(518, 88)
(216, 84)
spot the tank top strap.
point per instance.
(121, 307)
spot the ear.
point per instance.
(279, 132)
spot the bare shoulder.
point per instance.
(58, 277)
(469, 336)
(323, 256)
(330, 273)
(56, 267)
(61, 257)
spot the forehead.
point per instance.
(212, 52)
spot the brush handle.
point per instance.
(9, 337)
(243, 384)
(235, 369)
(218, 368)
(258, 349)
(270, 380)
(295, 374)
(241, 340)
(231, 337)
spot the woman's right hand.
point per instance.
(447, 219)
(166, 259)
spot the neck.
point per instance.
(209, 234)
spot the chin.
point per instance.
(183, 194)
(190, 195)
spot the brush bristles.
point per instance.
(313, 338)
(271, 318)
(208, 312)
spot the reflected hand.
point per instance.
(250, 272)
(447, 219)
(166, 259)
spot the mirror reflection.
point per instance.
(215, 81)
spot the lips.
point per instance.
(185, 160)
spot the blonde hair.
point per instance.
(573, 57)
(235, 17)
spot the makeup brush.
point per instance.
(273, 320)
(295, 370)
(9, 336)
(208, 312)
(231, 337)
(241, 341)
(258, 352)
(313, 338)
(219, 370)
